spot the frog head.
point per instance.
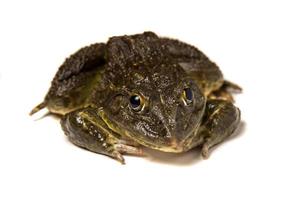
(151, 100)
(158, 111)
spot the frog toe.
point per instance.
(205, 151)
(118, 156)
(120, 149)
(37, 108)
(131, 150)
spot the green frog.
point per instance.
(139, 91)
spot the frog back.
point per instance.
(196, 64)
(75, 79)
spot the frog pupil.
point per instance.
(188, 95)
(135, 101)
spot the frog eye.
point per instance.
(136, 102)
(187, 96)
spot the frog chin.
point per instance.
(169, 144)
(171, 147)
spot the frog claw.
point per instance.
(116, 155)
(232, 87)
(205, 151)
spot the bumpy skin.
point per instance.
(93, 88)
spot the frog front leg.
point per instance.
(220, 121)
(86, 129)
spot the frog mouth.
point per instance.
(168, 143)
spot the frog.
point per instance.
(142, 91)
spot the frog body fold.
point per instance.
(142, 91)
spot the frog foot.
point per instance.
(130, 150)
(126, 149)
(205, 151)
(225, 92)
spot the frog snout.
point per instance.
(172, 130)
(173, 140)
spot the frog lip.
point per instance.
(172, 144)
(176, 145)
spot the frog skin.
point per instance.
(142, 91)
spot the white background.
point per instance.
(256, 44)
